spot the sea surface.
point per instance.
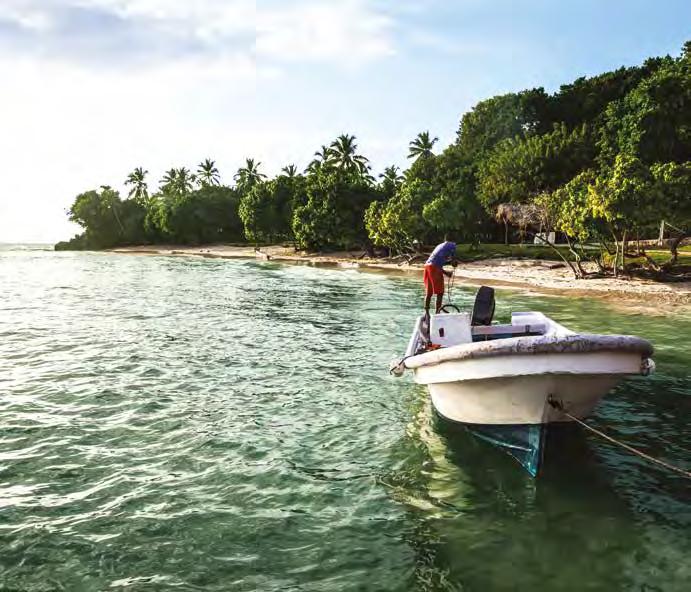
(193, 424)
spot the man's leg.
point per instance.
(439, 300)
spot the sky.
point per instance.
(91, 89)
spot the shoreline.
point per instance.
(548, 278)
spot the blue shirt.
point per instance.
(442, 253)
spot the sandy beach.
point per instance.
(538, 276)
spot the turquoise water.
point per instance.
(172, 423)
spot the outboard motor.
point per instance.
(483, 308)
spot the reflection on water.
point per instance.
(230, 425)
(482, 523)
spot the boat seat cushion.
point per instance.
(483, 309)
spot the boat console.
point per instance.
(449, 329)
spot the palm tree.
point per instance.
(391, 181)
(422, 145)
(391, 176)
(169, 181)
(323, 159)
(183, 181)
(140, 191)
(290, 171)
(249, 175)
(345, 157)
(207, 173)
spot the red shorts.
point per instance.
(434, 279)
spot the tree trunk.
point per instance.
(576, 272)
(115, 213)
(616, 256)
(577, 258)
(506, 232)
(623, 253)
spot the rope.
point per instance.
(449, 283)
(560, 407)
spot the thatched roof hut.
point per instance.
(521, 215)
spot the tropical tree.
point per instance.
(518, 169)
(498, 118)
(168, 183)
(248, 176)
(322, 160)
(290, 171)
(652, 122)
(184, 181)
(204, 215)
(332, 213)
(207, 173)
(139, 191)
(106, 219)
(392, 175)
(391, 180)
(399, 222)
(345, 157)
(258, 213)
(422, 146)
(177, 182)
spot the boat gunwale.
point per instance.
(529, 345)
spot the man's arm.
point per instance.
(453, 262)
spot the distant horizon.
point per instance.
(96, 88)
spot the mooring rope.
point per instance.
(560, 407)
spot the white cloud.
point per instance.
(73, 120)
(27, 15)
(207, 20)
(348, 31)
(340, 31)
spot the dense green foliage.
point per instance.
(602, 160)
(517, 168)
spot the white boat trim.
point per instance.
(541, 344)
(464, 369)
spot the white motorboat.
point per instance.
(508, 382)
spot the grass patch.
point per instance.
(467, 252)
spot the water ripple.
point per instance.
(207, 425)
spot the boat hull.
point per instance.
(525, 443)
(514, 390)
(512, 410)
(520, 400)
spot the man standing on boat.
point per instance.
(443, 254)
